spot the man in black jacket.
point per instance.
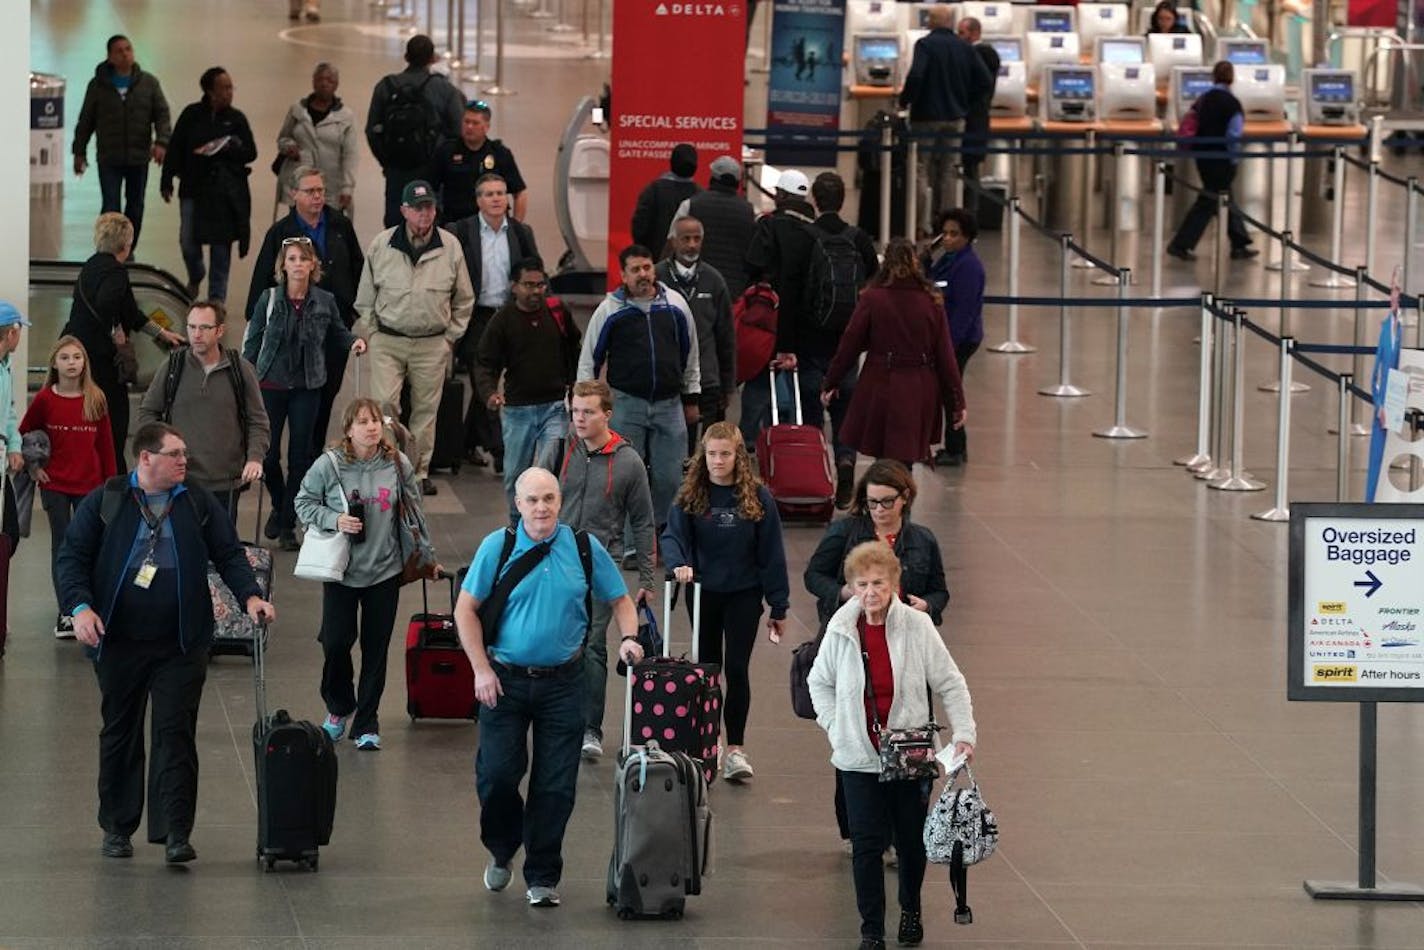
(728, 220)
(461, 162)
(339, 251)
(946, 78)
(125, 107)
(1219, 116)
(131, 574)
(659, 200)
(493, 242)
(976, 121)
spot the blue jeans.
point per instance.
(532, 436)
(133, 179)
(658, 430)
(219, 255)
(756, 402)
(297, 407)
(554, 707)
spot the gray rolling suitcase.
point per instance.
(662, 828)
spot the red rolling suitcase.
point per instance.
(677, 701)
(795, 464)
(439, 682)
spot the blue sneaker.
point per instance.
(368, 742)
(334, 726)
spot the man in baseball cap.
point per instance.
(417, 194)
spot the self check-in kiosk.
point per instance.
(1100, 19)
(875, 58)
(1126, 91)
(1044, 49)
(1188, 83)
(1330, 97)
(1243, 52)
(1166, 51)
(1052, 20)
(872, 16)
(994, 18)
(1127, 104)
(1262, 91)
(1011, 88)
(1067, 93)
(1122, 50)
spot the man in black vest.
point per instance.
(1219, 116)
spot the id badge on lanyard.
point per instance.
(148, 570)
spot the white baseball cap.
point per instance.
(793, 182)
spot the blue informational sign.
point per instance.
(804, 88)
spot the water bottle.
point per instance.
(358, 510)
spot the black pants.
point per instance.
(880, 812)
(482, 429)
(709, 411)
(336, 357)
(729, 631)
(955, 442)
(129, 673)
(1216, 177)
(340, 631)
(117, 396)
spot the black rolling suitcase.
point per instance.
(295, 766)
(449, 451)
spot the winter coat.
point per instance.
(945, 80)
(340, 265)
(921, 567)
(727, 226)
(909, 376)
(329, 145)
(604, 489)
(425, 297)
(269, 333)
(962, 276)
(657, 204)
(103, 301)
(650, 350)
(217, 184)
(126, 127)
(922, 665)
(780, 252)
(711, 304)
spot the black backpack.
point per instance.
(408, 129)
(834, 280)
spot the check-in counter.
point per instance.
(1068, 111)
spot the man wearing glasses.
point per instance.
(210, 392)
(460, 163)
(339, 251)
(535, 347)
(132, 574)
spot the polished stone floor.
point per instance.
(1121, 627)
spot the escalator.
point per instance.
(159, 294)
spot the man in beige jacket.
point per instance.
(414, 302)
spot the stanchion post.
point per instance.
(449, 51)
(1064, 387)
(1238, 478)
(1120, 429)
(1085, 196)
(1159, 224)
(912, 164)
(1357, 427)
(457, 46)
(499, 89)
(1333, 280)
(1215, 469)
(1223, 208)
(1289, 215)
(1283, 329)
(601, 52)
(1411, 221)
(887, 147)
(1201, 459)
(475, 74)
(1342, 453)
(1371, 207)
(1280, 511)
(1012, 344)
(1109, 280)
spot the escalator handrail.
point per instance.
(141, 275)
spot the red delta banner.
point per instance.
(677, 77)
(1372, 13)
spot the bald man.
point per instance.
(946, 79)
(524, 625)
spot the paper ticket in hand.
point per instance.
(952, 763)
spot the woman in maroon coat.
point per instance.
(910, 376)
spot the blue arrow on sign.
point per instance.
(1374, 583)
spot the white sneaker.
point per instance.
(64, 627)
(496, 877)
(592, 746)
(735, 767)
(540, 896)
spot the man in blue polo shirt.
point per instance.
(529, 672)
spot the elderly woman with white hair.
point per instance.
(320, 131)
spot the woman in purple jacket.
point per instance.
(957, 270)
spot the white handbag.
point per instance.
(325, 554)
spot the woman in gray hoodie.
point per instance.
(358, 488)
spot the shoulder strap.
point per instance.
(239, 392)
(504, 552)
(171, 380)
(585, 552)
(115, 490)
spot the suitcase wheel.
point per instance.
(268, 864)
(311, 863)
(624, 913)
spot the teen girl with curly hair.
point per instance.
(723, 528)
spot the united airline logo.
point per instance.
(697, 9)
(1335, 673)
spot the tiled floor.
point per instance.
(1120, 625)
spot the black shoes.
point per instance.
(912, 931)
(116, 846)
(179, 851)
(1180, 253)
(273, 527)
(950, 459)
(845, 484)
(427, 487)
(498, 462)
(872, 943)
(1244, 253)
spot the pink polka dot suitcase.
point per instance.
(677, 701)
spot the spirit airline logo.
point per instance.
(1331, 607)
(1335, 673)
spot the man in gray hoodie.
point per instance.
(605, 485)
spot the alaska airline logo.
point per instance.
(696, 9)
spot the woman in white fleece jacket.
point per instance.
(906, 659)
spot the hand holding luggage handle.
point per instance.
(425, 594)
(667, 648)
(795, 388)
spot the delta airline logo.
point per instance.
(697, 9)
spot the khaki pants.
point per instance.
(425, 363)
(935, 170)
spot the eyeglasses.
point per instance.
(312, 191)
(174, 453)
(288, 242)
(201, 327)
(533, 284)
(886, 503)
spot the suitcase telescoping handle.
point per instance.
(232, 494)
(668, 587)
(259, 671)
(425, 594)
(795, 389)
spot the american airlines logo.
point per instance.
(696, 9)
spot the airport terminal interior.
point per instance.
(1122, 626)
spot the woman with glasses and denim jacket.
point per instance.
(288, 331)
(880, 511)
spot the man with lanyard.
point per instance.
(705, 291)
(136, 551)
(493, 241)
(529, 673)
(459, 164)
(339, 251)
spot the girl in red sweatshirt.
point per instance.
(72, 411)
